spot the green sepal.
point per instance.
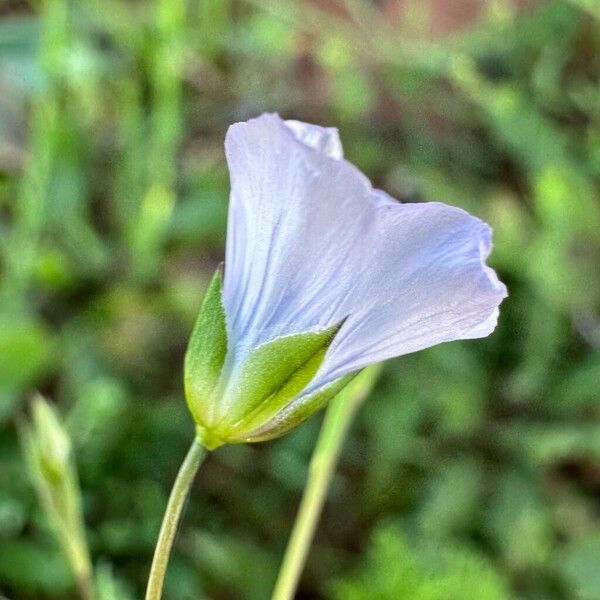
(292, 417)
(273, 374)
(206, 351)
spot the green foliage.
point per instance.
(113, 201)
(580, 566)
(398, 567)
(26, 347)
(108, 586)
(33, 569)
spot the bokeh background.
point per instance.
(473, 471)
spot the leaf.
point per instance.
(206, 349)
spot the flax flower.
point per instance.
(323, 276)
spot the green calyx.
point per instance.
(206, 352)
(229, 407)
(287, 420)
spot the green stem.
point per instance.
(168, 529)
(75, 542)
(78, 555)
(336, 424)
(85, 585)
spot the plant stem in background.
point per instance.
(48, 452)
(336, 424)
(168, 529)
(79, 559)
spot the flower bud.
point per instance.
(48, 452)
(53, 446)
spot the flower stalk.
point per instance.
(336, 424)
(177, 499)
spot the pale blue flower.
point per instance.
(312, 246)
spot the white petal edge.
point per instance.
(323, 139)
(311, 243)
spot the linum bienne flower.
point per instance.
(323, 276)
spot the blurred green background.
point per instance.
(473, 470)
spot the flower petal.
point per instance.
(295, 215)
(310, 243)
(427, 284)
(324, 139)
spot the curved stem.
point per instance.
(168, 529)
(336, 424)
